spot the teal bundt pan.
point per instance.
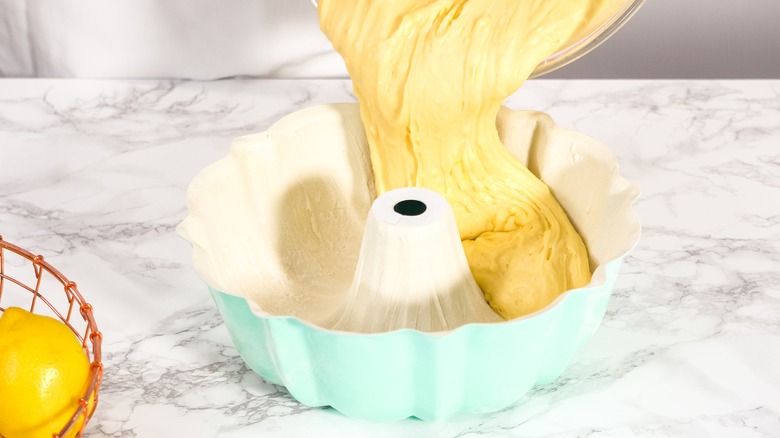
(239, 250)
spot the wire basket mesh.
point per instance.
(29, 282)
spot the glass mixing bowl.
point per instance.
(588, 39)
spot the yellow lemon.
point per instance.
(43, 373)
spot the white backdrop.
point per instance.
(202, 39)
(207, 39)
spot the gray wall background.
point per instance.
(673, 39)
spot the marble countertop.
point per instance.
(93, 175)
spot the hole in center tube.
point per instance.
(410, 207)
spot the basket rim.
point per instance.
(91, 334)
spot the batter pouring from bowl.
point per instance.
(430, 77)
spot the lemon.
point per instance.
(43, 373)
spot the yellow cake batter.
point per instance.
(430, 76)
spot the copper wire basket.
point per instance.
(29, 282)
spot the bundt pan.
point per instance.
(276, 229)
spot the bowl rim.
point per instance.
(589, 42)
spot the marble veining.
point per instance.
(93, 174)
